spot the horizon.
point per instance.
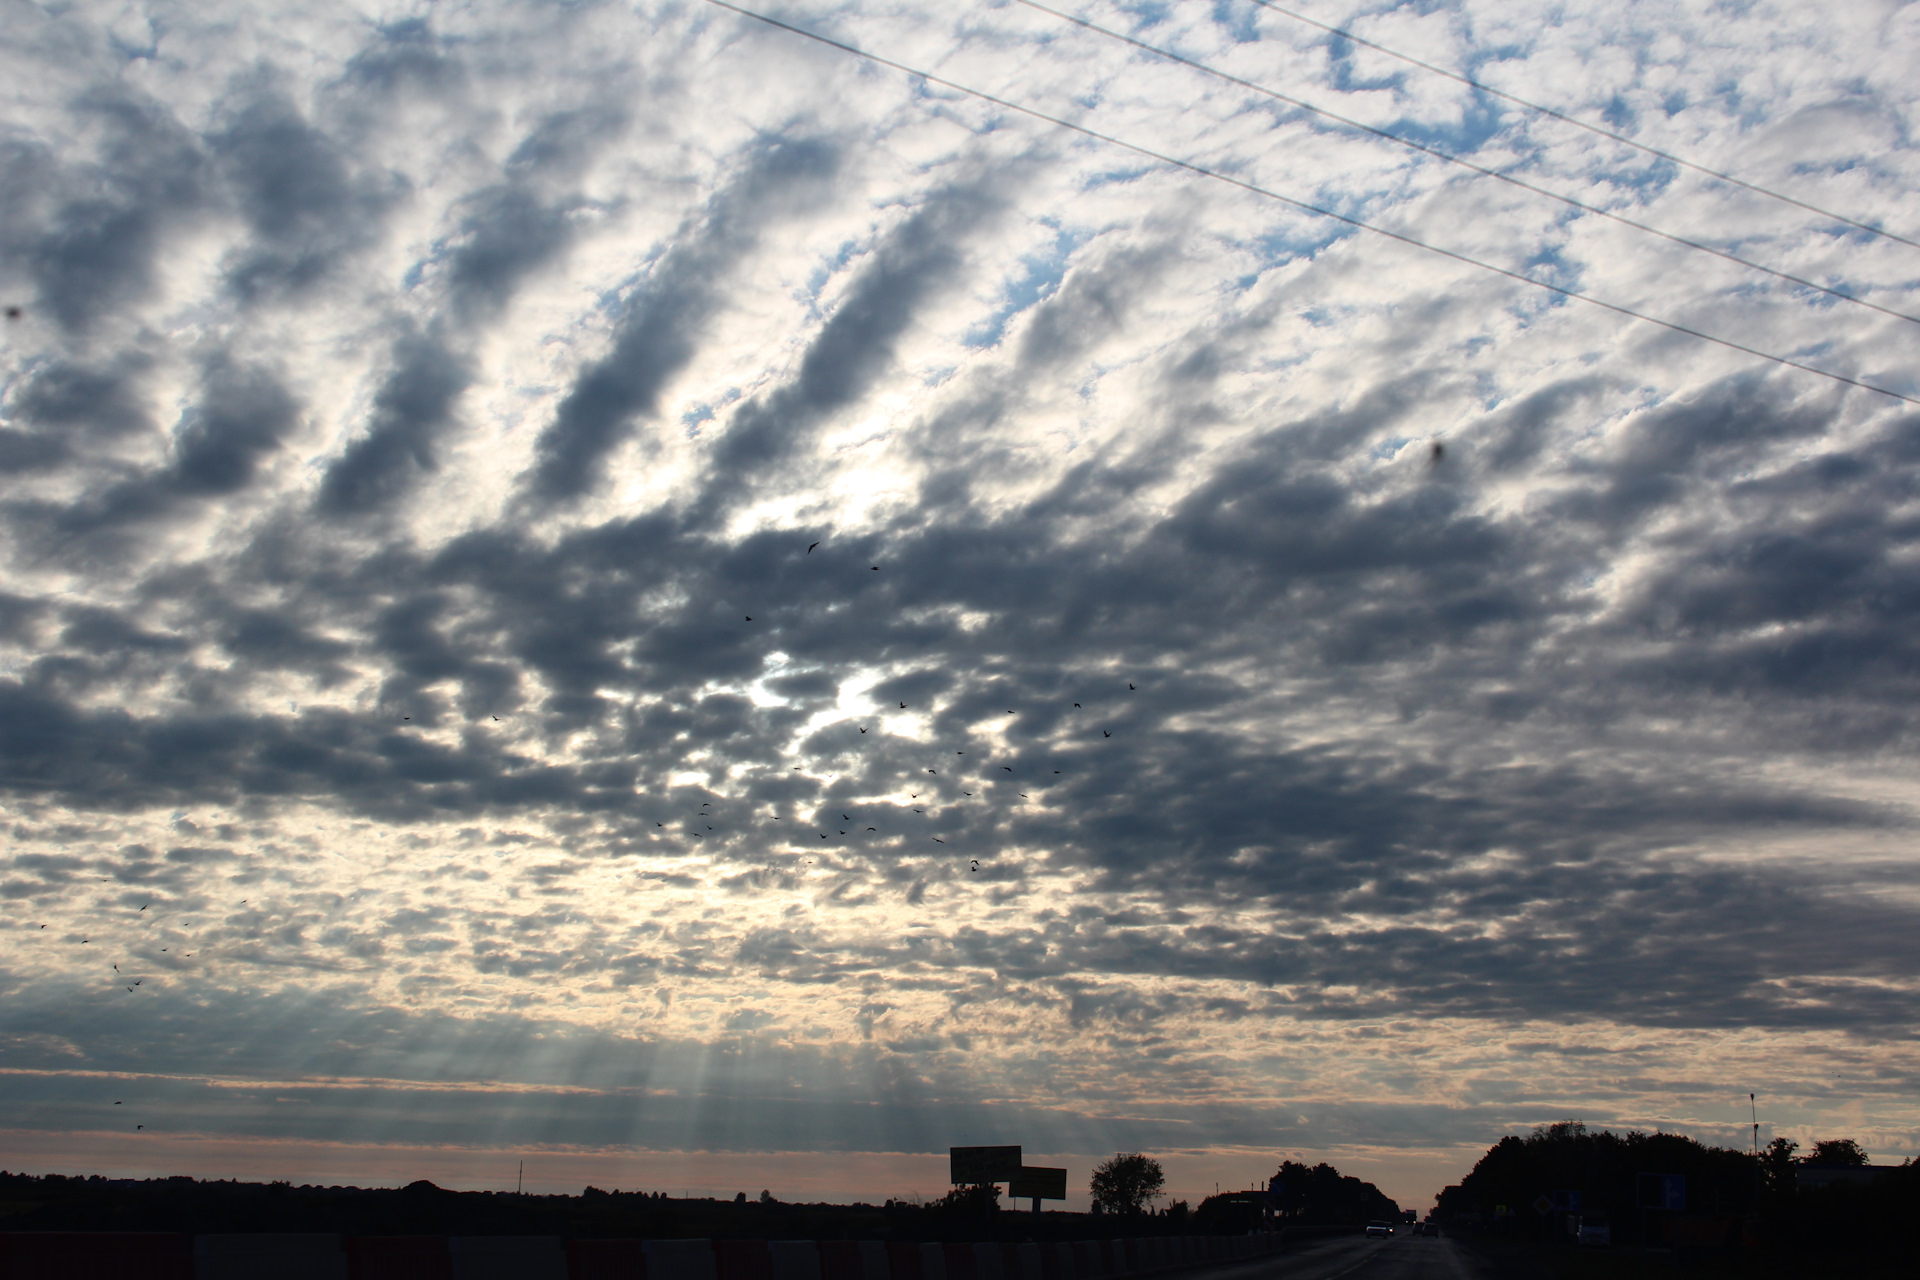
(626, 587)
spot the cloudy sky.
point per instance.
(609, 585)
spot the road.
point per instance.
(1404, 1257)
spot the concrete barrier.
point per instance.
(742, 1260)
(904, 1261)
(794, 1259)
(681, 1260)
(874, 1261)
(607, 1259)
(398, 1258)
(933, 1262)
(281, 1257)
(97, 1255)
(507, 1257)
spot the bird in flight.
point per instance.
(938, 840)
(976, 864)
(139, 1126)
(1129, 684)
(496, 717)
(876, 568)
(933, 771)
(1105, 734)
(1076, 704)
(14, 313)
(863, 729)
(811, 546)
(873, 828)
(903, 706)
(748, 617)
(1007, 767)
(116, 1104)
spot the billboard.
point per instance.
(1035, 1183)
(972, 1166)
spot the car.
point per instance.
(1378, 1230)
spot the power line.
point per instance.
(1302, 205)
(1450, 158)
(1608, 134)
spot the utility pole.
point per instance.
(520, 1183)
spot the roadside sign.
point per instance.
(1567, 1201)
(975, 1166)
(1542, 1206)
(1661, 1191)
(1036, 1183)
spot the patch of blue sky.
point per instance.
(1146, 13)
(1644, 180)
(1116, 177)
(1386, 449)
(1039, 275)
(1479, 124)
(1340, 51)
(693, 419)
(1238, 19)
(825, 271)
(1299, 238)
(1486, 387)
(1550, 265)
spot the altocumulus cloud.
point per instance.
(1256, 685)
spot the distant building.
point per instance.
(1819, 1176)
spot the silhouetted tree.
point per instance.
(971, 1201)
(1125, 1183)
(1776, 1165)
(1324, 1195)
(1837, 1151)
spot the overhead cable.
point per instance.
(1303, 206)
(1450, 158)
(1608, 134)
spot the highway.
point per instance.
(1404, 1257)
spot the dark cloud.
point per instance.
(90, 230)
(664, 316)
(307, 207)
(856, 344)
(412, 410)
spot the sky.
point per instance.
(609, 586)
